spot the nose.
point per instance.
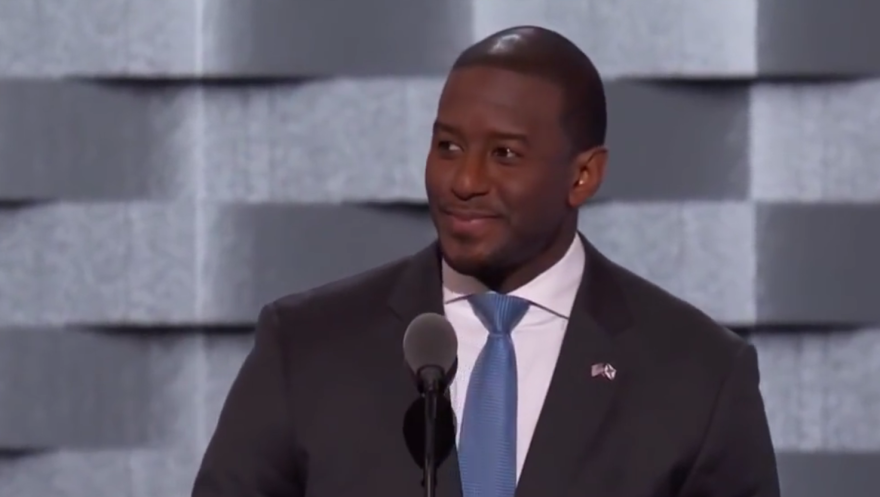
(470, 179)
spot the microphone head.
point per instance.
(430, 341)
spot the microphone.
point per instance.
(430, 348)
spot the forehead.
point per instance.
(490, 96)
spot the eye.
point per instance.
(448, 146)
(505, 153)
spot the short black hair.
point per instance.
(547, 54)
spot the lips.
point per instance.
(469, 215)
(468, 222)
(466, 213)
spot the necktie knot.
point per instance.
(499, 313)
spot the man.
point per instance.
(575, 377)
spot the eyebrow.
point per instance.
(498, 135)
(447, 128)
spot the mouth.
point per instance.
(467, 222)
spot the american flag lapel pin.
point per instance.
(605, 370)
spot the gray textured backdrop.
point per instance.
(166, 166)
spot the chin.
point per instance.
(467, 266)
(467, 260)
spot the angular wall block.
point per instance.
(819, 388)
(816, 142)
(327, 141)
(70, 474)
(789, 43)
(822, 475)
(324, 141)
(189, 379)
(110, 473)
(52, 38)
(189, 263)
(98, 263)
(671, 141)
(80, 389)
(332, 37)
(818, 264)
(256, 254)
(183, 263)
(82, 140)
(294, 38)
(367, 140)
(68, 388)
(221, 38)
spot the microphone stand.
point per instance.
(432, 379)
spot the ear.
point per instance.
(588, 171)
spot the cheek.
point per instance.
(528, 218)
(433, 179)
(536, 209)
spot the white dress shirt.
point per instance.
(537, 339)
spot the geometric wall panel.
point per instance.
(821, 388)
(69, 474)
(78, 389)
(302, 37)
(190, 379)
(366, 140)
(818, 263)
(178, 142)
(110, 473)
(179, 263)
(63, 388)
(789, 44)
(262, 143)
(90, 264)
(56, 37)
(322, 141)
(183, 263)
(828, 475)
(816, 142)
(745, 263)
(682, 131)
(245, 38)
(171, 385)
(65, 139)
(230, 37)
(255, 253)
(296, 142)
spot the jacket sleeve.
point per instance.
(253, 451)
(737, 457)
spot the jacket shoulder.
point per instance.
(362, 290)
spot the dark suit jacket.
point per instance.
(318, 406)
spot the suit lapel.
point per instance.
(419, 290)
(577, 402)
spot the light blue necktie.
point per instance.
(487, 443)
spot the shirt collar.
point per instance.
(554, 290)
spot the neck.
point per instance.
(506, 281)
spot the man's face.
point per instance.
(497, 176)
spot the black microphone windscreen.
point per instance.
(430, 341)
